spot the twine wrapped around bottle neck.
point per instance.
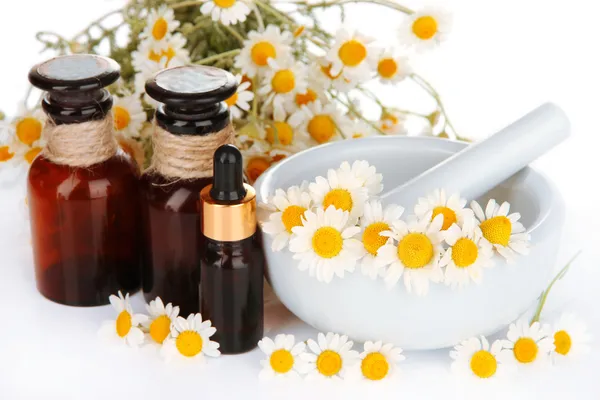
(187, 156)
(80, 145)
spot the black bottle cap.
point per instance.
(192, 98)
(228, 177)
(75, 86)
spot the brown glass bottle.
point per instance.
(84, 220)
(231, 284)
(192, 106)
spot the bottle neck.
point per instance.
(193, 121)
(77, 107)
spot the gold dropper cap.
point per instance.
(228, 222)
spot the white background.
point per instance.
(503, 58)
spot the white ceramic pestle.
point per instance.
(482, 166)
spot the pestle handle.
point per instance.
(480, 167)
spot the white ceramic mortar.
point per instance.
(363, 308)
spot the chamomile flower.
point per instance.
(174, 51)
(392, 68)
(290, 207)
(474, 357)
(320, 73)
(467, 255)
(26, 141)
(320, 123)
(374, 221)
(393, 123)
(229, 12)
(379, 361)
(128, 115)
(280, 132)
(239, 102)
(451, 208)
(262, 46)
(161, 318)
(501, 229)
(426, 28)
(283, 357)
(325, 244)
(342, 190)
(281, 84)
(126, 327)
(189, 340)
(331, 358)
(414, 254)
(528, 344)
(366, 174)
(256, 160)
(571, 338)
(360, 129)
(160, 24)
(353, 55)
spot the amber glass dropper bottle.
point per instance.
(231, 284)
(190, 124)
(83, 190)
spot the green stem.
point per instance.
(216, 57)
(187, 4)
(234, 33)
(259, 18)
(545, 293)
(357, 114)
(255, 99)
(325, 4)
(429, 88)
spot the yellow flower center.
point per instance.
(305, 98)
(329, 363)
(224, 3)
(283, 81)
(189, 343)
(160, 328)
(339, 198)
(29, 130)
(5, 154)
(256, 166)
(464, 252)
(232, 100)
(415, 250)
(525, 350)
(121, 117)
(497, 230)
(387, 68)
(321, 128)
(371, 238)
(375, 366)
(327, 242)
(299, 31)
(292, 216)
(123, 323)
(281, 361)
(352, 53)
(425, 27)
(449, 216)
(159, 30)
(562, 342)
(261, 52)
(327, 71)
(483, 364)
(156, 57)
(282, 133)
(31, 154)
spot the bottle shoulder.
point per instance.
(172, 195)
(118, 174)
